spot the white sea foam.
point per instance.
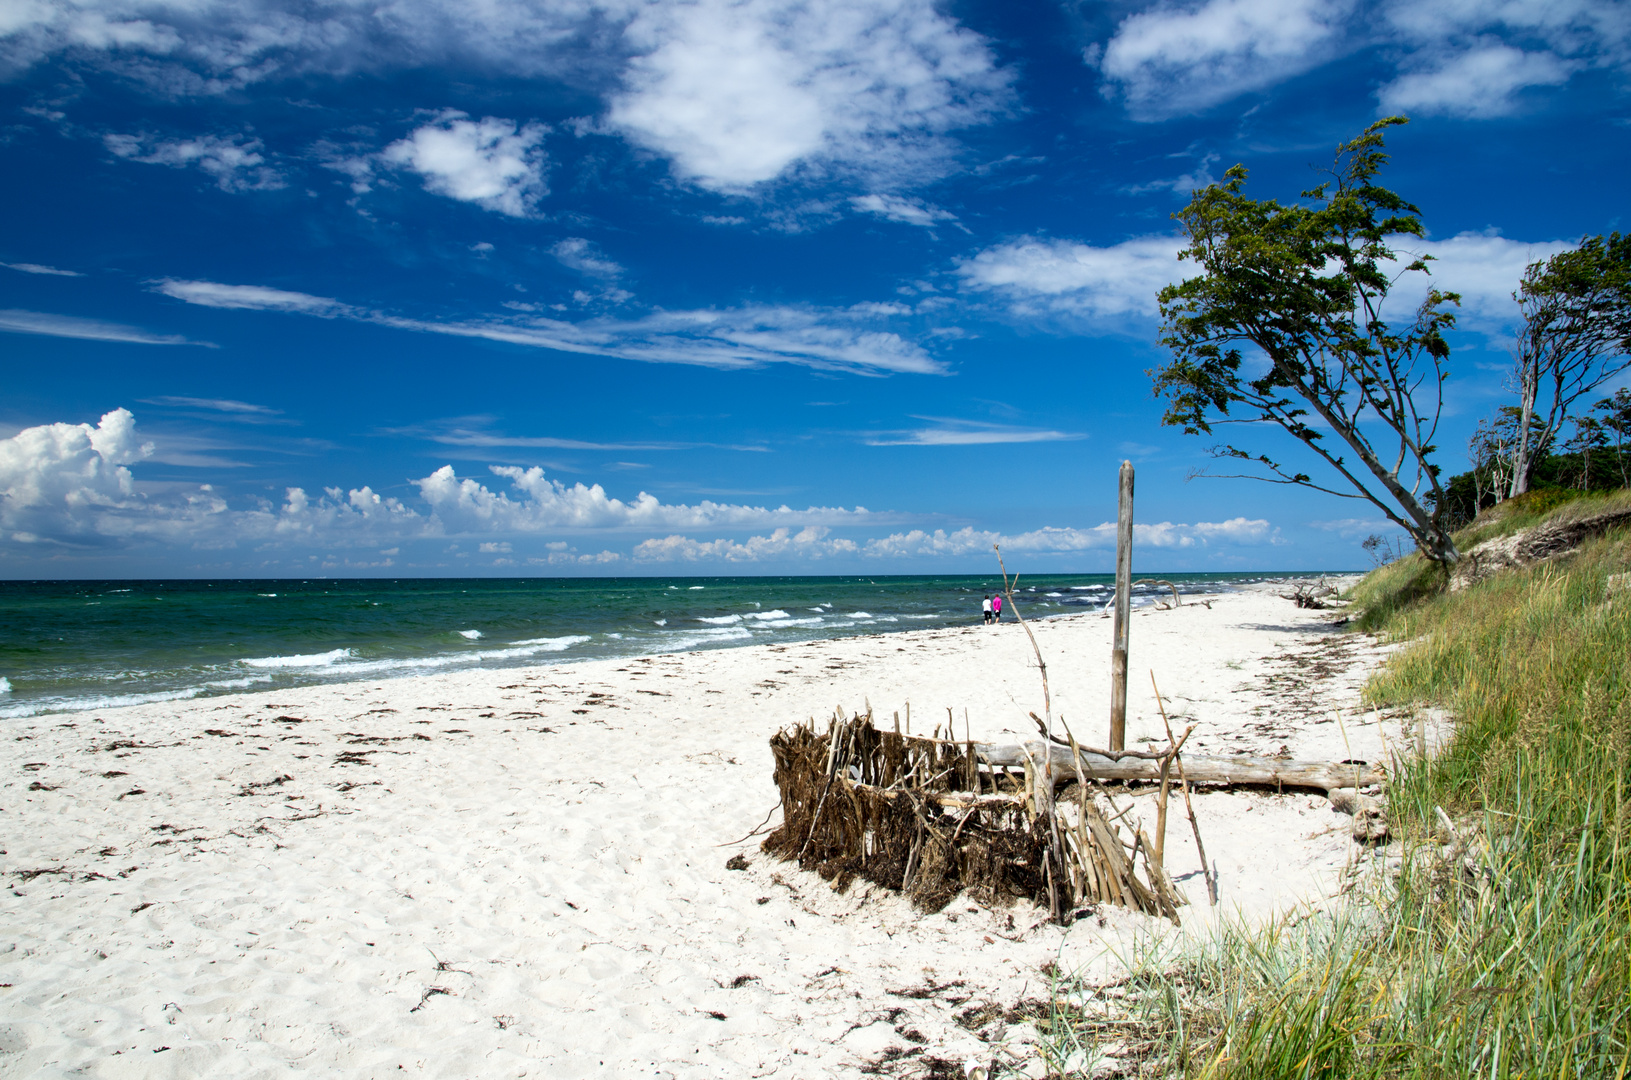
(471, 634)
(680, 640)
(5, 685)
(540, 644)
(239, 684)
(778, 613)
(108, 701)
(266, 594)
(694, 588)
(333, 656)
(782, 624)
(719, 620)
(860, 615)
(1055, 594)
(922, 616)
(817, 610)
(663, 622)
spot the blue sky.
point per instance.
(609, 287)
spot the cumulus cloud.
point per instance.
(496, 164)
(1477, 84)
(71, 484)
(808, 543)
(969, 541)
(537, 503)
(68, 483)
(905, 211)
(235, 162)
(735, 94)
(72, 326)
(1066, 278)
(1174, 59)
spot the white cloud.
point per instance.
(71, 484)
(64, 483)
(808, 543)
(733, 92)
(72, 326)
(843, 339)
(904, 211)
(970, 541)
(249, 297)
(225, 405)
(576, 253)
(1477, 84)
(949, 432)
(738, 93)
(36, 268)
(1172, 60)
(1075, 280)
(236, 163)
(1484, 267)
(1097, 287)
(537, 503)
(496, 164)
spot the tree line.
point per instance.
(1285, 326)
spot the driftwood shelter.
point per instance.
(933, 816)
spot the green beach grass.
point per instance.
(1501, 946)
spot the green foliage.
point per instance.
(1303, 286)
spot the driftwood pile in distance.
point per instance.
(931, 817)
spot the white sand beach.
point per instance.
(523, 872)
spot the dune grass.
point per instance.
(1506, 953)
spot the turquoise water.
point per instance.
(88, 644)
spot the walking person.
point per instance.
(996, 608)
(985, 611)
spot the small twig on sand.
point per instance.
(1183, 783)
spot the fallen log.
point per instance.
(1200, 769)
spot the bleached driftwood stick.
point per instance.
(1199, 769)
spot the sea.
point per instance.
(72, 645)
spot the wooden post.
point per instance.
(1124, 576)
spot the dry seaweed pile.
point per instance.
(929, 817)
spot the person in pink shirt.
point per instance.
(996, 608)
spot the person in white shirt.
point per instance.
(986, 610)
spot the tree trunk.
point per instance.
(1529, 379)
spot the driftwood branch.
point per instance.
(1242, 770)
(1206, 874)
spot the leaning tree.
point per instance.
(1284, 326)
(1576, 336)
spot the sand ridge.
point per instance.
(523, 872)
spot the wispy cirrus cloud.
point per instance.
(953, 432)
(903, 210)
(250, 298)
(74, 326)
(854, 339)
(37, 268)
